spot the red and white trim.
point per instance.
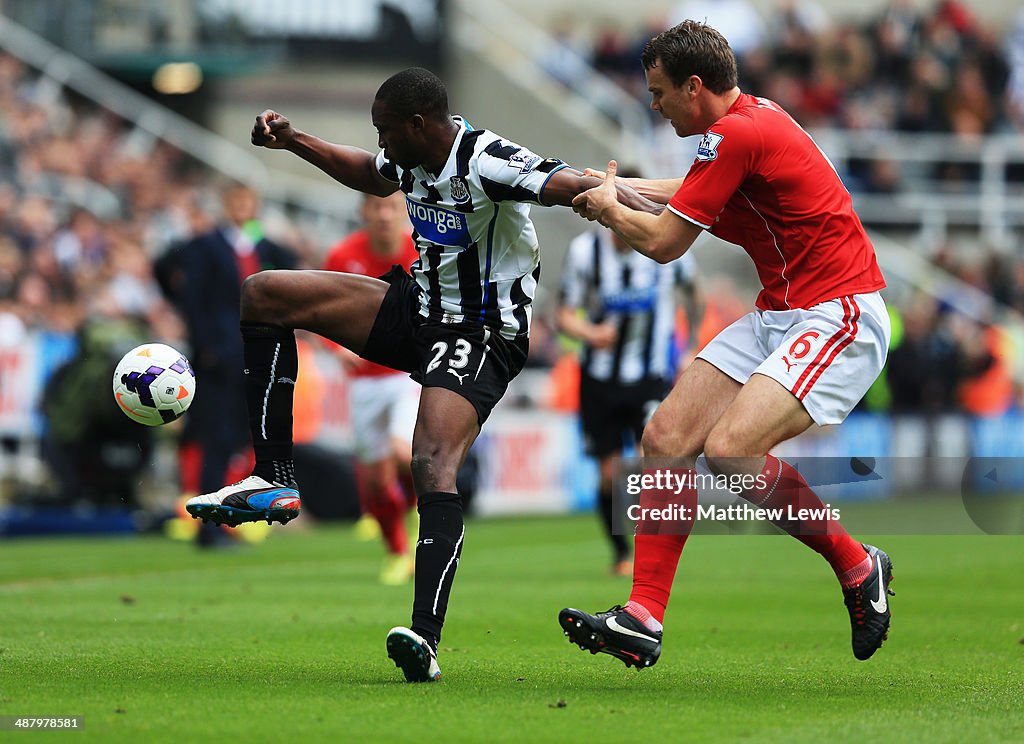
(832, 348)
(687, 217)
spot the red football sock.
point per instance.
(857, 574)
(387, 504)
(786, 489)
(659, 542)
(190, 465)
(642, 614)
(655, 558)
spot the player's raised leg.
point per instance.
(445, 429)
(764, 414)
(341, 307)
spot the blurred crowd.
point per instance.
(87, 203)
(959, 347)
(90, 206)
(933, 70)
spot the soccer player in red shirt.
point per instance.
(806, 355)
(382, 401)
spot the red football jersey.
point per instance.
(761, 182)
(353, 256)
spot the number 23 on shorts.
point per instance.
(459, 357)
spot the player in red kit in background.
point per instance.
(805, 356)
(382, 401)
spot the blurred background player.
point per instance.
(207, 273)
(382, 401)
(622, 306)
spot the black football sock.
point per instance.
(606, 505)
(271, 366)
(437, 557)
(281, 472)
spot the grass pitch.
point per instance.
(151, 640)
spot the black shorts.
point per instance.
(470, 360)
(613, 413)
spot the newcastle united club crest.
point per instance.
(460, 191)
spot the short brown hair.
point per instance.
(693, 48)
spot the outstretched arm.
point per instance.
(351, 166)
(662, 236)
(657, 190)
(568, 183)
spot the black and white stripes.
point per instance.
(635, 294)
(479, 258)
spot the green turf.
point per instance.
(151, 640)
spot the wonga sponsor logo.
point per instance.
(629, 300)
(439, 225)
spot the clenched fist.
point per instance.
(272, 130)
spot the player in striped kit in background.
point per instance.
(622, 307)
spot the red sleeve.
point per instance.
(725, 158)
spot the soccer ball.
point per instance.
(154, 384)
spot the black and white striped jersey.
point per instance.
(633, 292)
(479, 261)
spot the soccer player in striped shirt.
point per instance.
(805, 356)
(459, 324)
(622, 306)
